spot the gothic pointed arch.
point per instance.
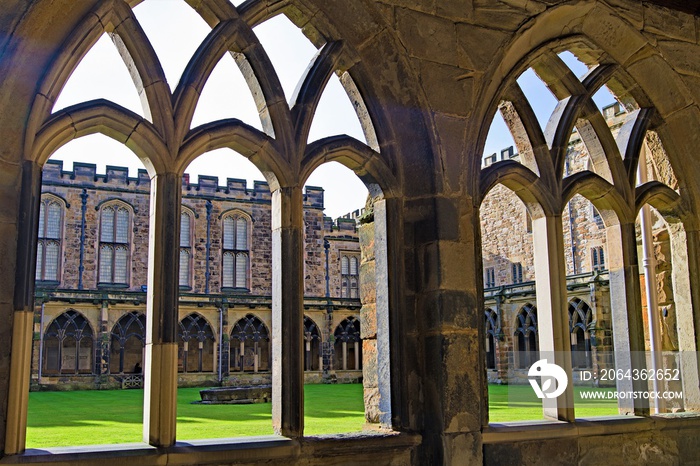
(128, 338)
(348, 345)
(69, 345)
(250, 345)
(196, 344)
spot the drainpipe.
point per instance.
(221, 340)
(329, 314)
(327, 246)
(649, 265)
(208, 247)
(83, 210)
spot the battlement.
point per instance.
(346, 223)
(313, 197)
(85, 175)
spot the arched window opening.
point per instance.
(580, 320)
(348, 349)
(195, 345)
(526, 336)
(493, 333)
(128, 340)
(174, 46)
(108, 76)
(68, 345)
(250, 346)
(313, 359)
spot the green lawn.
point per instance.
(114, 416)
(519, 403)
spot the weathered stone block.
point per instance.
(368, 321)
(369, 363)
(427, 37)
(668, 23)
(490, 42)
(562, 452)
(643, 448)
(368, 284)
(449, 88)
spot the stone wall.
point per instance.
(209, 202)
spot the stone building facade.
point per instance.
(91, 301)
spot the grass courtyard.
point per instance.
(115, 416)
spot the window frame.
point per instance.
(47, 199)
(114, 244)
(188, 249)
(349, 281)
(236, 252)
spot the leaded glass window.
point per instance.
(49, 239)
(185, 249)
(236, 252)
(349, 270)
(114, 245)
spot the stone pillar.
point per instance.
(449, 323)
(160, 375)
(552, 315)
(287, 312)
(685, 247)
(225, 352)
(626, 305)
(103, 339)
(23, 309)
(368, 320)
(602, 355)
(327, 347)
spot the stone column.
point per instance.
(685, 247)
(626, 305)
(103, 338)
(552, 315)
(449, 324)
(225, 352)
(287, 312)
(23, 309)
(384, 304)
(160, 375)
(368, 321)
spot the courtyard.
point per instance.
(93, 417)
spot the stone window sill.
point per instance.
(224, 451)
(112, 286)
(508, 432)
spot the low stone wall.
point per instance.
(658, 440)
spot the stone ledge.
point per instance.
(585, 427)
(246, 450)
